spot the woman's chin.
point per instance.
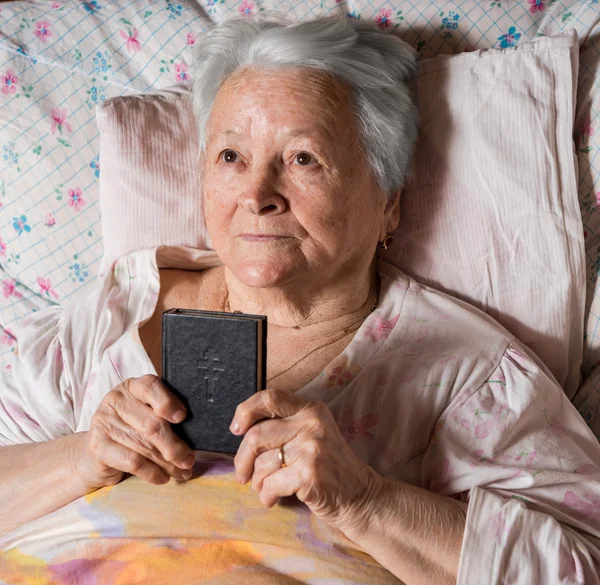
(262, 274)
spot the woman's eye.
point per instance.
(304, 159)
(229, 156)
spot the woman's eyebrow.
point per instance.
(314, 132)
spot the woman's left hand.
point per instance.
(321, 469)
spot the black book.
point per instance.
(212, 361)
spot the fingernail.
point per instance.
(178, 416)
(189, 460)
(187, 474)
(235, 428)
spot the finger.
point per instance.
(156, 432)
(265, 464)
(126, 436)
(265, 436)
(283, 483)
(119, 457)
(151, 391)
(113, 428)
(270, 403)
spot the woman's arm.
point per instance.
(37, 478)
(514, 448)
(415, 534)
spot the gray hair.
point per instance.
(375, 65)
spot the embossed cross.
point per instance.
(209, 365)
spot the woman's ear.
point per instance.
(392, 212)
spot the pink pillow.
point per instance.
(149, 194)
(490, 214)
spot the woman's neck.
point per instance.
(341, 305)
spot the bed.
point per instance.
(59, 60)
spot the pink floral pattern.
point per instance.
(2, 248)
(42, 30)
(59, 120)
(9, 289)
(555, 427)
(358, 429)
(495, 415)
(19, 414)
(536, 5)
(246, 8)
(384, 18)
(133, 45)
(181, 72)
(76, 201)
(587, 506)
(339, 377)
(7, 337)
(45, 285)
(50, 221)
(190, 39)
(9, 82)
(379, 328)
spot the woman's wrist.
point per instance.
(376, 502)
(415, 534)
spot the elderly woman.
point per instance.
(408, 420)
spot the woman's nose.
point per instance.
(261, 197)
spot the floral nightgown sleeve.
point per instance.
(517, 450)
(36, 387)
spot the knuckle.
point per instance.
(154, 427)
(320, 410)
(240, 411)
(135, 462)
(113, 396)
(253, 437)
(171, 452)
(271, 398)
(125, 385)
(163, 400)
(147, 379)
(314, 448)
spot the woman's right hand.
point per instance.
(130, 433)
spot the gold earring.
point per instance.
(386, 242)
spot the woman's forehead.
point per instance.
(305, 101)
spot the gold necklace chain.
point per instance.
(345, 332)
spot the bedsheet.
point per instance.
(124, 535)
(58, 59)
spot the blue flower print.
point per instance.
(174, 9)
(92, 7)
(78, 272)
(96, 95)
(95, 166)
(450, 22)
(354, 14)
(20, 224)
(510, 38)
(10, 155)
(102, 62)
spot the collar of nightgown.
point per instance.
(371, 336)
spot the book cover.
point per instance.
(212, 361)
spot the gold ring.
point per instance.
(281, 457)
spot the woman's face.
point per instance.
(288, 194)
